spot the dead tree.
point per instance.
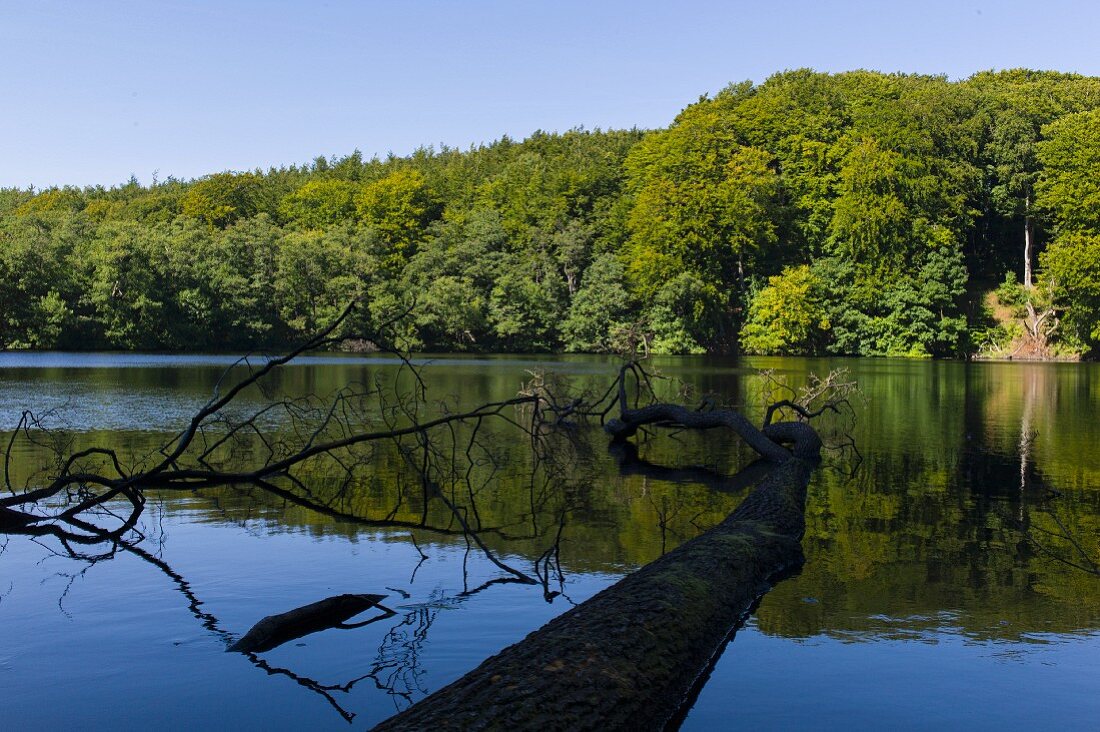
(335, 438)
(630, 657)
(91, 502)
(627, 658)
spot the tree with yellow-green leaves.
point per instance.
(703, 206)
(789, 315)
(398, 208)
(223, 198)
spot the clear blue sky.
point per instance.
(96, 90)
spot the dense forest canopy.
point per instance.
(855, 213)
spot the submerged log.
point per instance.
(275, 630)
(629, 657)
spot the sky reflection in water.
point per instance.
(923, 602)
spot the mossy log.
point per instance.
(629, 657)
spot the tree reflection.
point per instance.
(976, 498)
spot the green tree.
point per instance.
(526, 304)
(702, 204)
(914, 316)
(1072, 264)
(451, 312)
(33, 309)
(788, 316)
(1013, 107)
(131, 285)
(398, 207)
(53, 200)
(320, 204)
(872, 224)
(316, 274)
(460, 257)
(600, 308)
(227, 294)
(1069, 189)
(12, 198)
(223, 198)
(677, 318)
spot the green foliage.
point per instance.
(703, 204)
(33, 308)
(1073, 264)
(525, 304)
(916, 316)
(1011, 108)
(223, 198)
(600, 308)
(451, 310)
(460, 260)
(837, 213)
(130, 282)
(159, 205)
(1069, 189)
(320, 203)
(871, 223)
(12, 198)
(55, 200)
(788, 316)
(232, 279)
(398, 207)
(316, 274)
(1010, 293)
(678, 319)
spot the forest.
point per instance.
(858, 213)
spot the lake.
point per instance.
(947, 578)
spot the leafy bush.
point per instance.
(1010, 293)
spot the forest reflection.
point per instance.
(985, 524)
(975, 508)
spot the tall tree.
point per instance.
(1069, 191)
(703, 205)
(1014, 107)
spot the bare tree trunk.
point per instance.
(1029, 243)
(629, 658)
(626, 659)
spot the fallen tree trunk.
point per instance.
(626, 659)
(332, 612)
(805, 442)
(629, 657)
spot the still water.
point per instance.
(949, 577)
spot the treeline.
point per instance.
(814, 213)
